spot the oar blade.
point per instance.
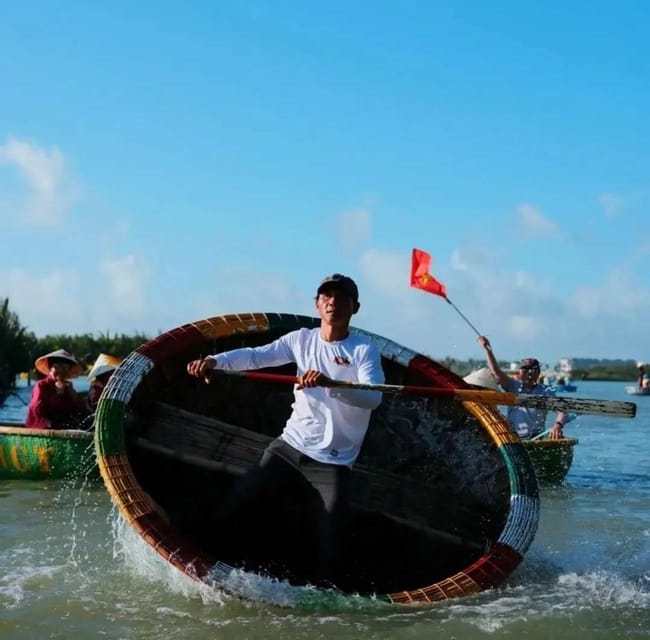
(577, 405)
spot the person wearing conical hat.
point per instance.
(99, 375)
(54, 403)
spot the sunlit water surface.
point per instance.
(70, 567)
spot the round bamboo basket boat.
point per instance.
(551, 459)
(444, 498)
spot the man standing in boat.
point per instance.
(324, 433)
(527, 422)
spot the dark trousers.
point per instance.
(326, 487)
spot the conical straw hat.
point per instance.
(41, 363)
(482, 378)
(104, 363)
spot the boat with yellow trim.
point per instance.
(37, 454)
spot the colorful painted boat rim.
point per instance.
(136, 507)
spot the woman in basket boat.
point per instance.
(55, 404)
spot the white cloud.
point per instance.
(126, 279)
(246, 290)
(532, 223)
(457, 261)
(45, 304)
(620, 295)
(354, 228)
(586, 301)
(526, 327)
(386, 272)
(49, 192)
(612, 204)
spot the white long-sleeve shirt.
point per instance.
(326, 424)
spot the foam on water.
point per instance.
(140, 558)
(594, 592)
(542, 590)
(16, 585)
(605, 591)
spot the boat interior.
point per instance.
(430, 490)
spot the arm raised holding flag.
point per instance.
(421, 278)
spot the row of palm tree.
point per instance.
(19, 347)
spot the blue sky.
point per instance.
(161, 163)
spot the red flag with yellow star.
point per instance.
(420, 276)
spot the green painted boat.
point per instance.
(36, 454)
(551, 458)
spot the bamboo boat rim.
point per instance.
(29, 432)
(560, 443)
(138, 509)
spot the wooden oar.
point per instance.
(549, 403)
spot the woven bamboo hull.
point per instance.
(444, 498)
(36, 454)
(551, 458)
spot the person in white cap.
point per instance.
(54, 403)
(324, 433)
(99, 375)
(527, 422)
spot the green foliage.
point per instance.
(621, 373)
(20, 348)
(16, 345)
(86, 347)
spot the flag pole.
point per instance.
(462, 315)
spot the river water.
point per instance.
(70, 567)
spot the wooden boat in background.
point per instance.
(37, 454)
(551, 459)
(444, 498)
